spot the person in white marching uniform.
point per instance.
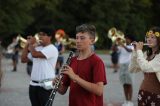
(44, 57)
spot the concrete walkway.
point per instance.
(14, 90)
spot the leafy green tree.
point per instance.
(129, 16)
(43, 12)
(14, 16)
(107, 14)
(155, 14)
(139, 18)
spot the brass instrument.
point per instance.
(69, 43)
(22, 41)
(116, 35)
(96, 38)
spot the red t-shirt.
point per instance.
(92, 70)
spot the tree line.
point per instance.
(130, 16)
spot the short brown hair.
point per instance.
(91, 29)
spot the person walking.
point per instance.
(44, 57)
(124, 75)
(13, 50)
(61, 49)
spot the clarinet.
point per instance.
(56, 86)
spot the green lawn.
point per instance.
(97, 51)
(102, 51)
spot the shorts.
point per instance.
(60, 59)
(124, 74)
(15, 57)
(114, 57)
(114, 60)
(9, 55)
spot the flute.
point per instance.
(145, 44)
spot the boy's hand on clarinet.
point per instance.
(69, 71)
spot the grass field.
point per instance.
(102, 51)
(97, 51)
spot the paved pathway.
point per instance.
(14, 90)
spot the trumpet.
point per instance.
(22, 41)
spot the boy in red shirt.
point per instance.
(85, 75)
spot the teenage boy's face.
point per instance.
(83, 41)
(44, 38)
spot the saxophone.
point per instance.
(56, 86)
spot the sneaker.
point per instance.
(129, 103)
(124, 104)
(14, 69)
